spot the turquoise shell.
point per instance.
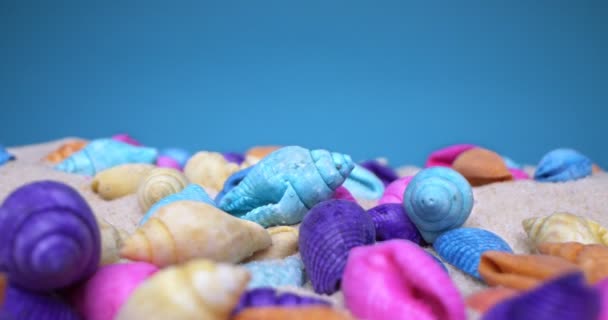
(438, 199)
(463, 248)
(277, 272)
(5, 156)
(284, 185)
(364, 184)
(192, 192)
(562, 165)
(102, 154)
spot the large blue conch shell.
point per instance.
(276, 272)
(103, 154)
(192, 192)
(282, 187)
(562, 165)
(5, 156)
(364, 184)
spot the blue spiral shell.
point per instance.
(232, 182)
(438, 199)
(276, 272)
(364, 184)
(463, 247)
(192, 192)
(563, 165)
(5, 156)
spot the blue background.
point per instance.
(369, 78)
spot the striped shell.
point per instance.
(276, 272)
(562, 165)
(209, 169)
(192, 192)
(364, 184)
(392, 222)
(21, 304)
(565, 227)
(284, 244)
(157, 184)
(120, 181)
(64, 151)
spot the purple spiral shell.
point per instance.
(267, 297)
(392, 222)
(21, 304)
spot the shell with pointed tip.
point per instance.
(394, 191)
(385, 173)
(209, 169)
(565, 298)
(184, 230)
(592, 258)
(276, 272)
(482, 301)
(66, 150)
(232, 182)
(111, 242)
(327, 234)
(364, 184)
(481, 166)
(392, 222)
(565, 227)
(126, 138)
(157, 184)
(120, 181)
(292, 313)
(103, 154)
(198, 289)
(102, 295)
(269, 297)
(286, 184)
(445, 157)
(284, 244)
(562, 165)
(463, 247)
(192, 192)
(438, 199)
(602, 287)
(20, 304)
(398, 280)
(49, 237)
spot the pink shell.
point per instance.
(167, 162)
(102, 295)
(343, 194)
(123, 137)
(397, 279)
(394, 191)
(519, 174)
(602, 286)
(446, 156)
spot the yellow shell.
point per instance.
(565, 227)
(284, 244)
(199, 289)
(209, 169)
(111, 242)
(184, 230)
(157, 184)
(120, 181)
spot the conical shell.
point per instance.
(592, 259)
(481, 166)
(196, 290)
(292, 313)
(66, 150)
(276, 273)
(364, 184)
(192, 192)
(157, 184)
(111, 242)
(120, 181)
(484, 300)
(521, 272)
(562, 165)
(565, 227)
(185, 230)
(284, 244)
(209, 169)
(269, 297)
(21, 304)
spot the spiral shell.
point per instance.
(49, 237)
(562, 165)
(284, 244)
(592, 259)
(21, 304)
(209, 169)
(292, 313)
(5, 156)
(111, 242)
(232, 182)
(157, 184)
(65, 150)
(481, 166)
(276, 272)
(193, 192)
(565, 227)
(269, 297)
(199, 289)
(363, 184)
(392, 222)
(438, 199)
(120, 181)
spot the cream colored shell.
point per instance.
(565, 227)
(120, 181)
(209, 169)
(157, 184)
(284, 244)
(111, 242)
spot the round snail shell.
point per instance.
(159, 183)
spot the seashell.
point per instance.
(602, 287)
(167, 162)
(5, 156)
(394, 191)
(438, 199)
(103, 154)
(385, 173)
(397, 280)
(521, 272)
(126, 138)
(519, 174)
(20, 304)
(463, 248)
(342, 193)
(481, 166)
(120, 181)
(66, 150)
(199, 289)
(49, 237)
(565, 298)
(511, 164)
(562, 165)
(269, 297)
(286, 184)
(184, 230)
(482, 301)
(111, 242)
(292, 313)
(255, 154)
(363, 184)
(102, 295)
(209, 169)
(327, 234)
(192, 192)
(234, 157)
(446, 156)
(284, 244)
(157, 184)
(565, 227)
(276, 272)
(180, 155)
(232, 182)
(592, 259)
(392, 222)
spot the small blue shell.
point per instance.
(5, 156)
(364, 184)
(438, 199)
(276, 273)
(510, 163)
(177, 154)
(463, 248)
(232, 182)
(192, 192)
(562, 165)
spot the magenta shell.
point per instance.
(398, 280)
(446, 156)
(343, 194)
(394, 191)
(123, 137)
(167, 162)
(602, 286)
(519, 174)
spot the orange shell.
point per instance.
(592, 258)
(481, 166)
(260, 152)
(483, 300)
(291, 313)
(65, 151)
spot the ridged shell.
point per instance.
(592, 259)
(196, 290)
(438, 199)
(463, 248)
(286, 184)
(192, 192)
(255, 154)
(21, 304)
(111, 242)
(157, 184)
(209, 169)
(481, 166)
(385, 173)
(284, 244)
(103, 154)
(120, 181)
(602, 287)
(565, 227)
(232, 182)
(185, 230)
(482, 301)
(292, 313)
(126, 138)
(562, 165)
(269, 297)
(564, 298)
(363, 184)
(49, 237)
(64, 151)
(392, 222)
(445, 157)
(394, 191)
(398, 280)
(276, 272)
